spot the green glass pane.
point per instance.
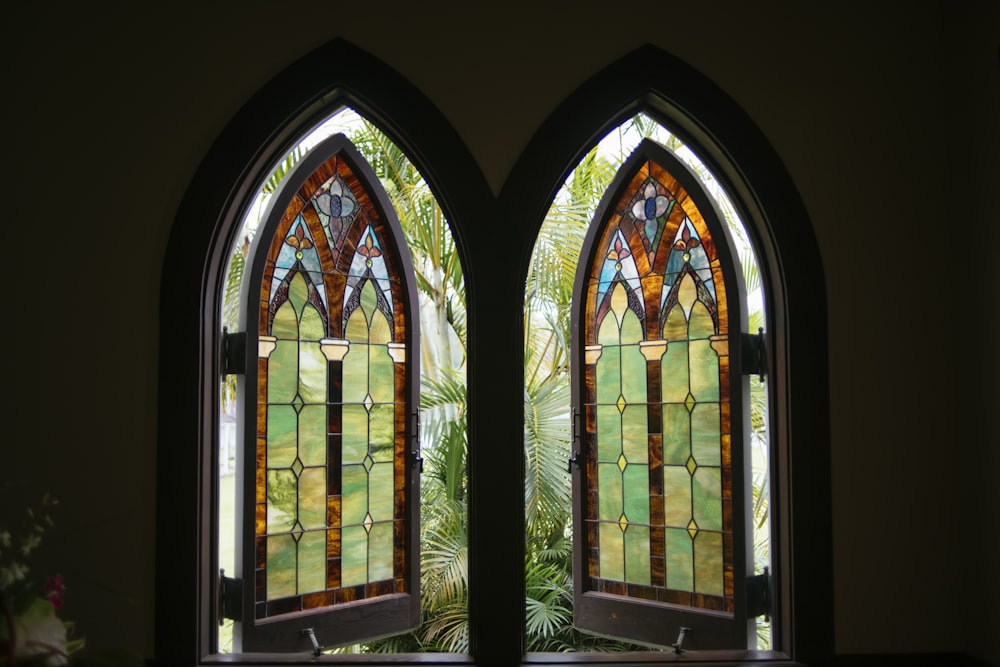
(369, 300)
(312, 562)
(608, 333)
(679, 559)
(704, 365)
(283, 372)
(637, 555)
(635, 436)
(700, 324)
(676, 496)
(633, 374)
(381, 374)
(354, 443)
(280, 566)
(312, 372)
(636, 481)
(705, 434)
(676, 434)
(380, 552)
(311, 326)
(674, 373)
(357, 327)
(380, 331)
(355, 373)
(675, 327)
(382, 429)
(298, 292)
(380, 492)
(281, 436)
(609, 373)
(609, 495)
(609, 433)
(282, 500)
(286, 322)
(612, 558)
(312, 498)
(354, 556)
(354, 487)
(707, 491)
(312, 435)
(708, 578)
(631, 331)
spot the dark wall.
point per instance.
(886, 118)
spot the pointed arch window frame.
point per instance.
(262, 132)
(734, 149)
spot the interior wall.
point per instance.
(886, 119)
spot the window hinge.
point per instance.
(575, 459)
(754, 348)
(234, 352)
(416, 460)
(230, 598)
(759, 595)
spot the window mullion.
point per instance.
(495, 466)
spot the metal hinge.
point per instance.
(416, 460)
(754, 348)
(574, 443)
(230, 598)
(234, 352)
(759, 595)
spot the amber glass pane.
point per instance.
(328, 426)
(656, 249)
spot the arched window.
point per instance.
(262, 133)
(661, 489)
(330, 464)
(661, 458)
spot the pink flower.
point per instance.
(53, 590)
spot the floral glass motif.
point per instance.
(656, 401)
(331, 421)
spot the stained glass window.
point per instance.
(334, 485)
(655, 393)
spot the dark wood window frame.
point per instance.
(647, 80)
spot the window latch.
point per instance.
(234, 352)
(230, 598)
(754, 349)
(680, 640)
(759, 595)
